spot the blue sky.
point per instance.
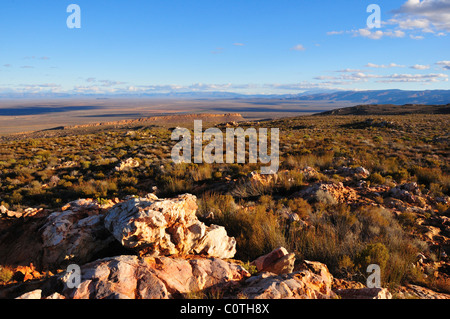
(246, 46)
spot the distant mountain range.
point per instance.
(397, 97)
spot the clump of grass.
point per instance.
(324, 197)
(298, 205)
(348, 239)
(377, 179)
(426, 175)
(217, 204)
(373, 254)
(175, 185)
(257, 230)
(250, 268)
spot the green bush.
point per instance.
(373, 254)
(426, 175)
(377, 179)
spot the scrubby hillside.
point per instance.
(390, 109)
(351, 191)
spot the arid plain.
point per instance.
(27, 115)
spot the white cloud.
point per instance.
(415, 17)
(375, 35)
(426, 15)
(196, 87)
(45, 85)
(335, 32)
(347, 78)
(324, 77)
(416, 37)
(206, 87)
(411, 24)
(105, 83)
(38, 88)
(361, 77)
(395, 34)
(302, 86)
(87, 89)
(424, 78)
(348, 70)
(154, 88)
(420, 67)
(298, 47)
(444, 64)
(378, 34)
(108, 83)
(382, 66)
(239, 44)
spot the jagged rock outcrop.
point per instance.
(418, 292)
(76, 234)
(126, 164)
(132, 277)
(166, 253)
(357, 172)
(287, 214)
(279, 261)
(8, 213)
(330, 193)
(35, 294)
(364, 293)
(297, 285)
(167, 227)
(409, 193)
(255, 179)
(318, 269)
(309, 173)
(28, 212)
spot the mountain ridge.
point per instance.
(390, 109)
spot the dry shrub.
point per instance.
(343, 237)
(257, 231)
(426, 175)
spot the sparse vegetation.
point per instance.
(265, 213)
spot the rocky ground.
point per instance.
(152, 248)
